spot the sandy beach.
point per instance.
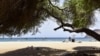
(68, 46)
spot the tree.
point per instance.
(21, 16)
(81, 12)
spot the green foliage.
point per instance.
(21, 16)
(82, 11)
(55, 12)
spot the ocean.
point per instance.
(43, 39)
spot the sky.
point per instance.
(46, 29)
(97, 22)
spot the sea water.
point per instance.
(44, 39)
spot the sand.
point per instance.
(68, 46)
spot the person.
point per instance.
(69, 38)
(73, 40)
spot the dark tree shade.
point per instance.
(20, 16)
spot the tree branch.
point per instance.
(63, 25)
(87, 31)
(58, 27)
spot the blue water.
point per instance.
(43, 39)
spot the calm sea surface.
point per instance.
(43, 39)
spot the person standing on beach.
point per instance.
(73, 37)
(69, 38)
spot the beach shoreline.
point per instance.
(68, 46)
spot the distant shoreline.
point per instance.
(45, 39)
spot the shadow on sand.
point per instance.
(46, 51)
(35, 51)
(88, 50)
(85, 51)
